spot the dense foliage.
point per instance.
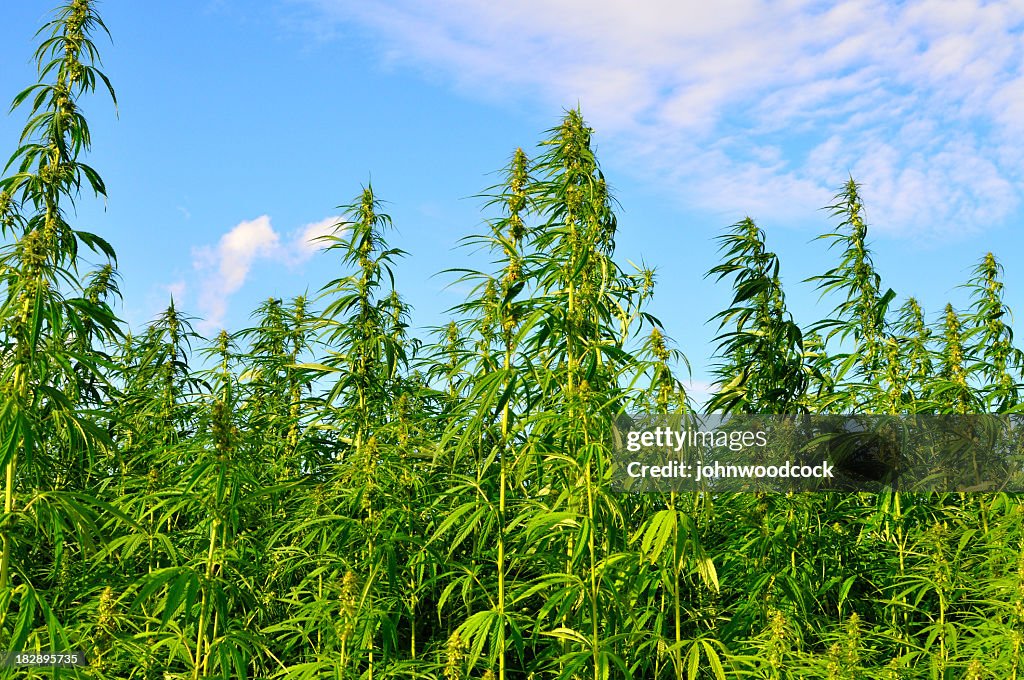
(323, 496)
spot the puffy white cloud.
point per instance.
(224, 267)
(227, 265)
(240, 246)
(921, 100)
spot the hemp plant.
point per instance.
(990, 338)
(578, 342)
(485, 427)
(860, 316)
(45, 317)
(764, 368)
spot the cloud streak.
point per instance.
(754, 105)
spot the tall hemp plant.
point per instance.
(764, 365)
(860, 317)
(582, 363)
(485, 430)
(46, 322)
(353, 560)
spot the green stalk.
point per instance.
(676, 570)
(591, 546)
(200, 658)
(501, 578)
(501, 522)
(516, 230)
(5, 561)
(11, 468)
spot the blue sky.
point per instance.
(243, 125)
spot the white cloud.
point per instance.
(225, 267)
(307, 240)
(240, 246)
(922, 100)
(176, 290)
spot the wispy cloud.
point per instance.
(224, 267)
(176, 290)
(308, 239)
(759, 106)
